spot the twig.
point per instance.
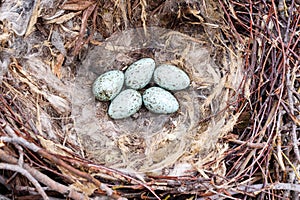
(112, 171)
(279, 142)
(25, 173)
(143, 4)
(58, 161)
(20, 141)
(249, 144)
(2, 197)
(258, 188)
(43, 178)
(44, 153)
(3, 182)
(289, 85)
(275, 186)
(294, 168)
(86, 14)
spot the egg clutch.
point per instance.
(157, 99)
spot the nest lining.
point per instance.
(148, 142)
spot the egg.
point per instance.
(171, 77)
(127, 103)
(139, 73)
(108, 85)
(160, 101)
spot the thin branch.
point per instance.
(43, 178)
(275, 186)
(289, 85)
(56, 160)
(25, 173)
(21, 141)
(258, 188)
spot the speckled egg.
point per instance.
(139, 73)
(108, 85)
(171, 77)
(125, 104)
(160, 101)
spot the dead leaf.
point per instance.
(1, 144)
(87, 188)
(33, 19)
(196, 13)
(295, 119)
(86, 14)
(77, 5)
(59, 104)
(63, 18)
(55, 148)
(56, 69)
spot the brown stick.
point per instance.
(289, 85)
(25, 173)
(56, 160)
(257, 188)
(43, 178)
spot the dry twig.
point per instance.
(25, 173)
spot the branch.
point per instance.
(275, 186)
(258, 188)
(289, 85)
(43, 178)
(25, 173)
(19, 140)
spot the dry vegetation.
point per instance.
(39, 157)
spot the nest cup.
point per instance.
(149, 142)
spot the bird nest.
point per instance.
(235, 135)
(149, 142)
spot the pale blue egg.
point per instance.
(139, 73)
(108, 85)
(171, 77)
(160, 101)
(127, 103)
